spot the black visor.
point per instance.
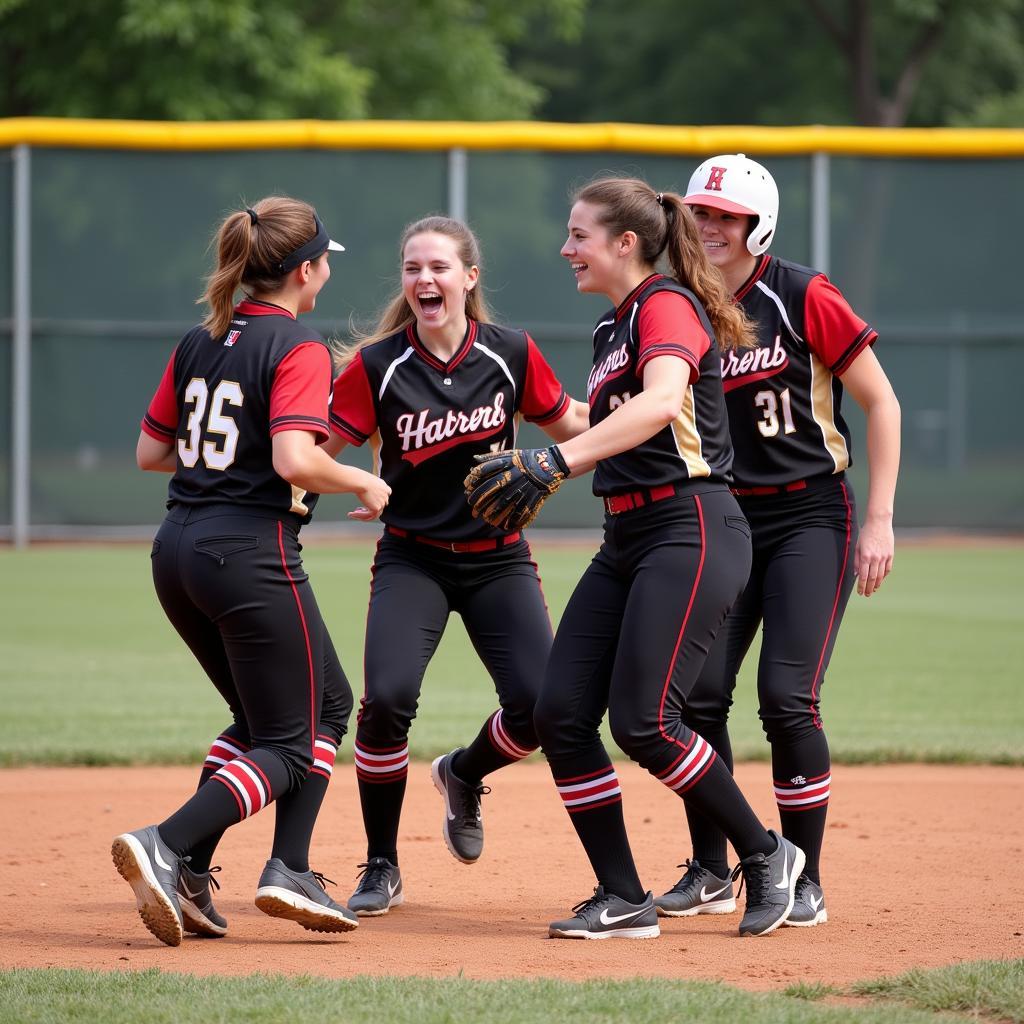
(311, 250)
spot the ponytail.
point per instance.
(684, 250)
(251, 245)
(664, 225)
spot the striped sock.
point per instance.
(297, 811)
(589, 789)
(236, 791)
(382, 774)
(699, 775)
(803, 783)
(231, 743)
(493, 748)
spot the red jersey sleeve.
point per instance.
(833, 331)
(298, 396)
(544, 399)
(669, 326)
(353, 412)
(161, 419)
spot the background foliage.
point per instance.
(887, 62)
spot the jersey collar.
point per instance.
(756, 276)
(256, 307)
(428, 357)
(624, 305)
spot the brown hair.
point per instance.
(397, 313)
(663, 224)
(249, 250)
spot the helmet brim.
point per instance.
(718, 203)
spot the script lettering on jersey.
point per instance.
(423, 437)
(611, 364)
(744, 366)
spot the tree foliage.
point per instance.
(894, 62)
(223, 59)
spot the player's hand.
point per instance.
(872, 561)
(507, 489)
(373, 498)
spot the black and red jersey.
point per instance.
(222, 399)
(784, 396)
(432, 417)
(660, 317)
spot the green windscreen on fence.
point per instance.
(924, 249)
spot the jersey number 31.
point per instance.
(216, 455)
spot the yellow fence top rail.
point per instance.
(511, 135)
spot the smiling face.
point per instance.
(724, 236)
(435, 282)
(596, 258)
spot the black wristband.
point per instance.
(559, 461)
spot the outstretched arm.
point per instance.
(665, 381)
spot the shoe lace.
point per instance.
(468, 811)
(803, 883)
(374, 874)
(321, 879)
(688, 883)
(600, 897)
(211, 872)
(754, 871)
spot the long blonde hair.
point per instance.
(664, 225)
(249, 250)
(397, 314)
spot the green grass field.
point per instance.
(928, 669)
(93, 674)
(986, 990)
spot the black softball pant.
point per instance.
(234, 587)
(638, 627)
(800, 583)
(415, 589)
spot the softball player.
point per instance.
(792, 448)
(438, 383)
(236, 420)
(675, 556)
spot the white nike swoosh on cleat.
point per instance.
(189, 893)
(815, 903)
(159, 859)
(606, 918)
(784, 884)
(705, 895)
(392, 889)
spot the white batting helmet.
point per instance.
(737, 184)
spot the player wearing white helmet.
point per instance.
(792, 448)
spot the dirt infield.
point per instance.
(920, 870)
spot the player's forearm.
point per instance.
(314, 470)
(628, 426)
(155, 456)
(573, 423)
(883, 447)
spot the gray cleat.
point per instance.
(463, 825)
(379, 888)
(605, 916)
(697, 892)
(771, 884)
(196, 901)
(300, 896)
(148, 865)
(808, 905)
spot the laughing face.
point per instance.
(724, 236)
(435, 282)
(592, 253)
